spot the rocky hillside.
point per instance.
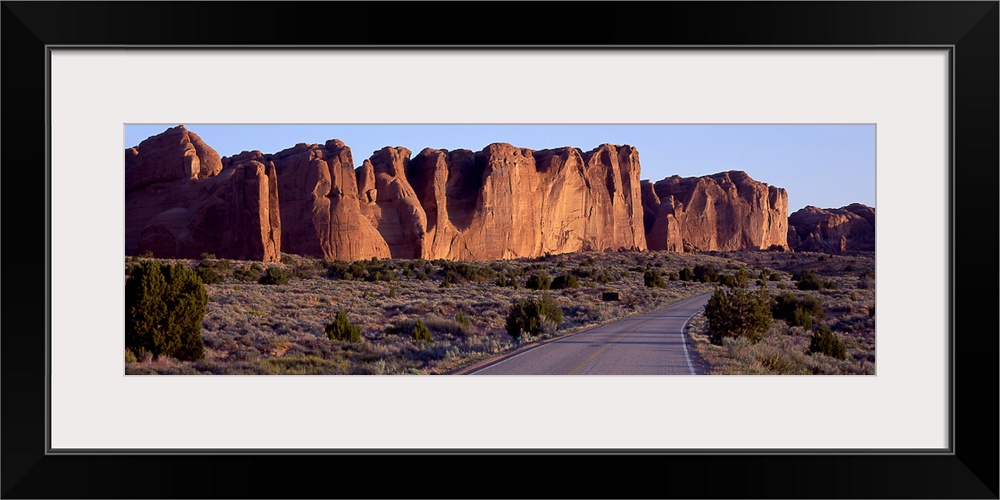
(833, 230)
(502, 202)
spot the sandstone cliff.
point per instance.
(506, 202)
(391, 204)
(499, 203)
(182, 200)
(320, 208)
(832, 230)
(724, 211)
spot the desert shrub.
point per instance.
(274, 276)
(465, 271)
(565, 281)
(727, 280)
(164, 308)
(604, 277)
(795, 311)
(653, 279)
(774, 276)
(463, 320)
(337, 269)
(673, 276)
(538, 281)
(246, 274)
(738, 312)
(421, 333)
(207, 256)
(302, 271)
(451, 277)
(686, 274)
(808, 280)
(706, 274)
(506, 280)
(207, 272)
(533, 316)
(342, 329)
(826, 342)
(392, 292)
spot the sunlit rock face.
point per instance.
(724, 211)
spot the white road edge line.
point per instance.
(684, 342)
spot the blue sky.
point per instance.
(827, 166)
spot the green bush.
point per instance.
(207, 272)
(463, 320)
(653, 279)
(274, 276)
(164, 307)
(342, 329)
(686, 274)
(604, 277)
(539, 281)
(706, 274)
(795, 311)
(246, 274)
(565, 281)
(738, 312)
(826, 342)
(421, 333)
(808, 280)
(533, 317)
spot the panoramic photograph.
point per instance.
(499, 249)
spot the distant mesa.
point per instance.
(503, 202)
(832, 230)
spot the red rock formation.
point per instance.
(390, 203)
(834, 230)
(175, 154)
(507, 202)
(500, 203)
(725, 211)
(181, 201)
(322, 216)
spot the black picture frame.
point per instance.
(968, 470)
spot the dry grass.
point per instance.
(252, 328)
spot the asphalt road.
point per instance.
(651, 344)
